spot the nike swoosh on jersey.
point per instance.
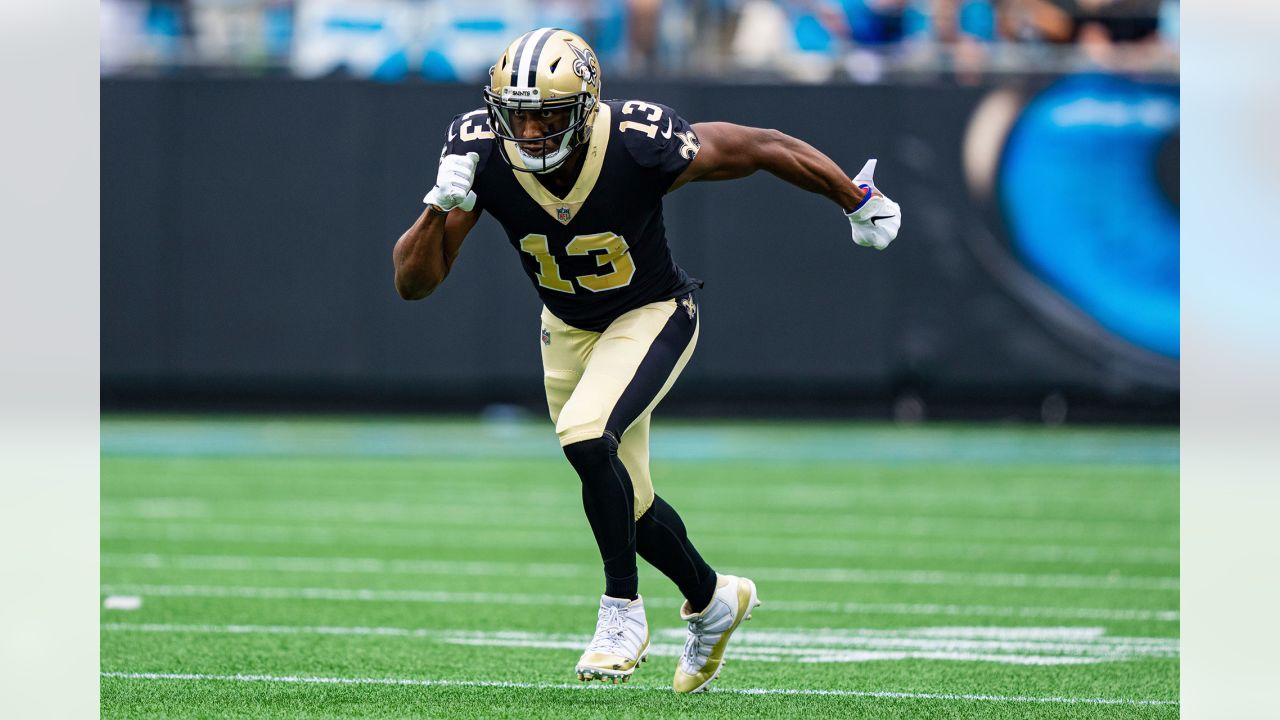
(451, 135)
(874, 218)
(667, 135)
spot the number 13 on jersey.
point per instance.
(610, 250)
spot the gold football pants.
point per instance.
(610, 382)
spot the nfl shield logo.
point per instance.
(546, 336)
(562, 214)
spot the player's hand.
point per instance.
(876, 221)
(453, 183)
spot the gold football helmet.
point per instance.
(547, 69)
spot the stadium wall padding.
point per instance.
(247, 228)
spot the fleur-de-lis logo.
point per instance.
(688, 144)
(585, 65)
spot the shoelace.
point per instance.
(609, 630)
(692, 655)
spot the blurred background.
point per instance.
(260, 157)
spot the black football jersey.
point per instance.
(601, 250)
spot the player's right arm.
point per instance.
(425, 252)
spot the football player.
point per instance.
(577, 183)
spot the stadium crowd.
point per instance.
(796, 40)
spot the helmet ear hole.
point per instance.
(554, 64)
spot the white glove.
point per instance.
(453, 183)
(876, 221)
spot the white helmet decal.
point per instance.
(585, 65)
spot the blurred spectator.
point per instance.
(804, 40)
(1109, 34)
(238, 32)
(120, 26)
(875, 22)
(967, 28)
(142, 33)
(760, 41)
(642, 21)
(1063, 21)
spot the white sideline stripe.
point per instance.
(1003, 645)
(342, 565)
(441, 596)
(592, 687)
(194, 507)
(826, 575)
(1133, 555)
(1070, 638)
(823, 655)
(980, 579)
(553, 535)
(259, 513)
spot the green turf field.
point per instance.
(306, 568)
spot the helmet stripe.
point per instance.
(526, 57)
(537, 57)
(515, 56)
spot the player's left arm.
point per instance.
(727, 151)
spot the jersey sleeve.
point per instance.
(469, 132)
(658, 139)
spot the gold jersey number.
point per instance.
(649, 112)
(610, 250)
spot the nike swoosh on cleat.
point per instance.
(874, 218)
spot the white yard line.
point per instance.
(593, 687)
(789, 520)
(854, 547)
(865, 507)
(329, 565)
(503, 569)
(1013, 646)
(826, 655)
(439, 596)
(434, 529)
(1065, 639)
(1014, 530)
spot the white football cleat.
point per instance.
(709, 632)
(621, 642)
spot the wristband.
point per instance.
(865, 198)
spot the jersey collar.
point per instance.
(564, 210)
